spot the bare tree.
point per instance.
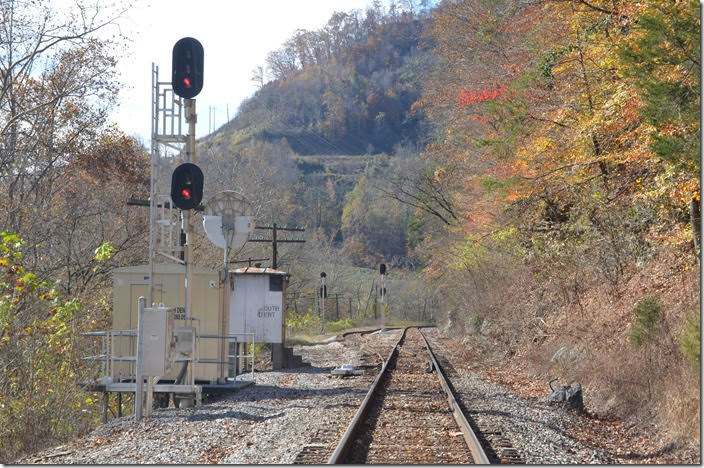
(56, 88)
(258, 76)
(417, 183)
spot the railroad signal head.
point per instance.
(382, 268)
(187, 186)
(323, 291)
(322, 274)
(187, 68)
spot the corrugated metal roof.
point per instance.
(257, 271)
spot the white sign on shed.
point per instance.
(257, 303)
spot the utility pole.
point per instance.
(275, 240)
(274, 255)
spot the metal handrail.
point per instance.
(109, 355)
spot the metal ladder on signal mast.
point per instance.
(168, 142)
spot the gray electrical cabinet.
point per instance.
(157, 342)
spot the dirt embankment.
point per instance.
(647, 395)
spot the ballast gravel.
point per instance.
(538, 431)
(271, 421)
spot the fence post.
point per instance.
(138, 383)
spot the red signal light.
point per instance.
(186, 185)
(186, 68)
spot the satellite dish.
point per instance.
(228, 220)
(213, 229)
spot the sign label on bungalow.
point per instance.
(268, 311)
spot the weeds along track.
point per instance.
(406, 418)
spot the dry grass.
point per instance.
(652, 382)
(681, 405)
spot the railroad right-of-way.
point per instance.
(301, 415)
(406, 418)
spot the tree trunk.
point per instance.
(695, 216)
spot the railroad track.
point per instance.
(409, 416)
(496, 444)
(373, 350)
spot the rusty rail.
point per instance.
(352, 432)
(470, 437)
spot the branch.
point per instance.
(559, 124)
(597, 8)
(417, 204)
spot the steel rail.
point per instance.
(473, 444)
(371, 330)
(343, 446)
(478, 454)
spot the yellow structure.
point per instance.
(132, 282)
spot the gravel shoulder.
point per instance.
(537, 431)
(266, 423)
(543, 433)
(271, 421)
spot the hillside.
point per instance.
(345, 89)
(569, 140)
(340, 100)
(529, 172)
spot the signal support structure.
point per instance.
(170, 231)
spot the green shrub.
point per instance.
(690, 340)
(338, 326)
(40, 402)
(259, 349)
(476, 322)
(303, 323)
(647, 314)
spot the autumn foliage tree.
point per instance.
(41, 402)
(547, 119)
(65, 174)
(662, 57)
(569, 131)
(57, 87)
